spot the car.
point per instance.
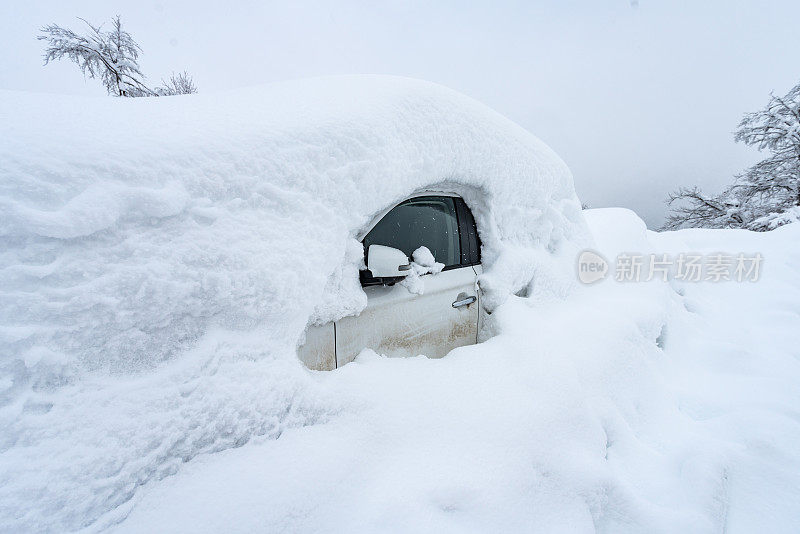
(440, 312)
(155, 286)
(246, 216)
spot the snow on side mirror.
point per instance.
(387, 262)
(424, 262)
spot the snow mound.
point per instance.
(151, 245)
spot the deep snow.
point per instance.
(624, 408)
(161, 258)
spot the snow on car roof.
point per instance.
(149, 221)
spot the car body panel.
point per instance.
(399, 323)
(318, 352)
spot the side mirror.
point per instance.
(387, 262)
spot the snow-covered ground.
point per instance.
(160, 259)
(638, 407)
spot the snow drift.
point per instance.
(161, 258)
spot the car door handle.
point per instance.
(463, 300)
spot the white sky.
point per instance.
(637, 100)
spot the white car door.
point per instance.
(397, 322)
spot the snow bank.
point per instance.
(160, 258)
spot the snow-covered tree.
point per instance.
(767, 194)
(690, 207)
(773, 182)
(111, 56)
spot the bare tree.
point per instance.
(112, 56)
(760, 196)
(178, 84)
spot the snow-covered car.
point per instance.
(331, 215)
(422, 260)
(161, 261)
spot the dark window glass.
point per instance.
(470, 244)
(474, 240)
(417, 222)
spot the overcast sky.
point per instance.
(637, 99)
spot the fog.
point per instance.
(638, 98)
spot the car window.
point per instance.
(421, 221)
(470, 242)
